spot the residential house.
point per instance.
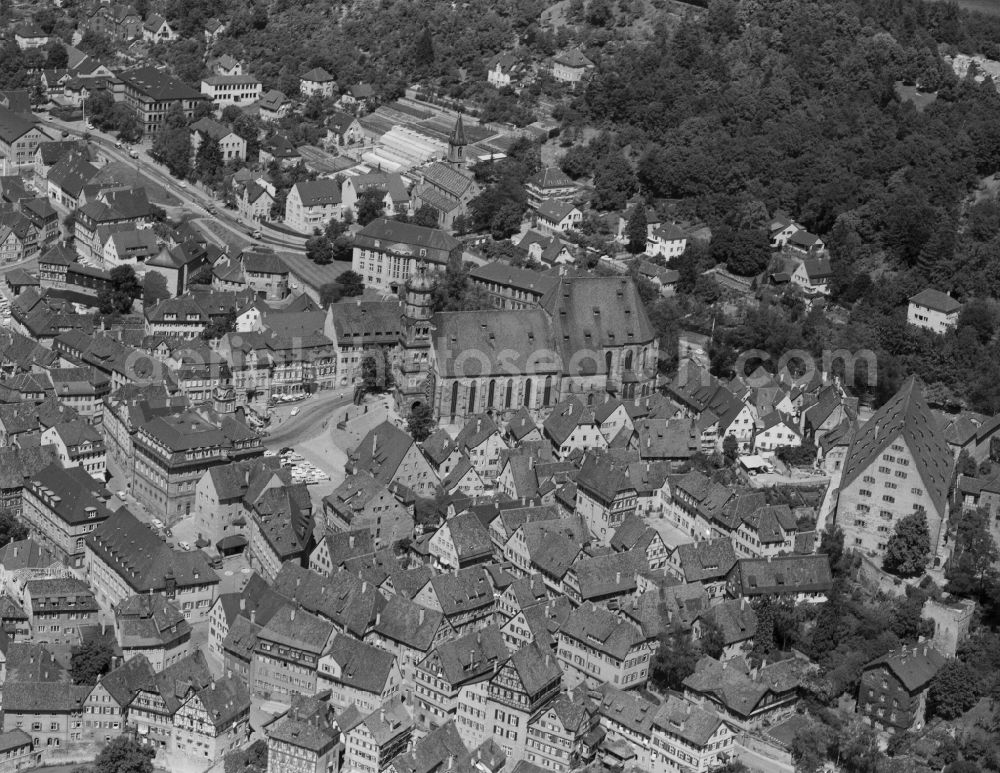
(107, 704)
(231, 145)
(62, 506)
(892, 695)
(29, 36)
(800, 577)
(255, 200)
(571, 66)
(311, 205)
(556, 216)
(317, 82)
(305, 738)
(371, 742)
(363, 501)
(500, 69)
(58, 608)
(287, 654)
(461, 542)
(153, 628)
(273, 106)
(550, 184)
(388, 186)
(666, 240)
(746, 697)
(933, 310)
(391, 456)
(19, 138)
(158, 30)
(358, 674)
(596, 647)
(708, 563)
(78, 444)
(51, 712)
(464, 598)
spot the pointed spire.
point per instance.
(458, 134)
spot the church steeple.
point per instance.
(457, 143)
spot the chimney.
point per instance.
(743, 602)
(243, 602)
(378, 618)
(618, 578)
(291, 615)
(374, 443)
(350, 541)
(364, 586)
(451, 762)
(420, 616)
(381, 716)
(253, 615)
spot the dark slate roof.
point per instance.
(905, 417)
(706, 560)
(126, 680)
(784, 574)
(408, 623)
(135, 552)
(936, 300)
(362, 666)
(602, 630)
(914, 665)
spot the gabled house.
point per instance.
(391, 456)
(893, 691)
(666, 240)
(556, 216)
(933, 310)
(364, 502)
(358, 674)
(158, 30)
(572, 426)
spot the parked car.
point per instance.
(156, 522)
(184, 545)
(295, 412)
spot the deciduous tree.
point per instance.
(909, 547)
(90, 660)
(125, 755)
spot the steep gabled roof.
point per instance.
(905, 417)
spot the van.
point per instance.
(134, 153)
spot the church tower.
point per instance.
(457, 144)
(415, 340)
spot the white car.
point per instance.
(295, 412)
(184, 545)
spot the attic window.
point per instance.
(597, 311)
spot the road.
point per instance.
(313, 412)
(191, 198)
